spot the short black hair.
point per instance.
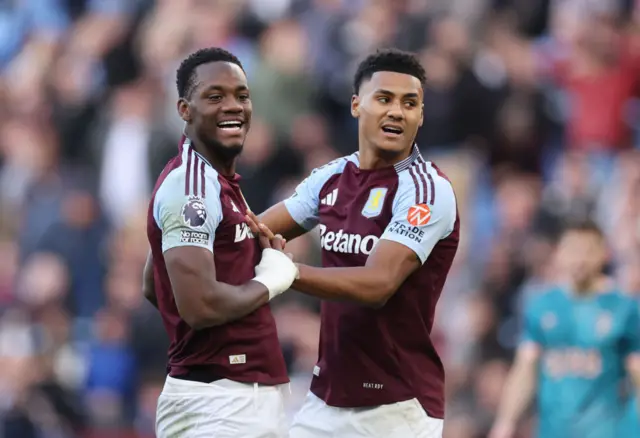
(186, 76)
(584, 226)
(393, 60)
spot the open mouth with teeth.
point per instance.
(392, 130)
(231, 125)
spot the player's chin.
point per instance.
(581, 279)
(393, 142)
(232, 147)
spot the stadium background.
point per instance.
(529, 108)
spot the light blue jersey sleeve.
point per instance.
(303, 204)
(421, 226)
(187, 220)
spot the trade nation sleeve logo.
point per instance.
(419, 215)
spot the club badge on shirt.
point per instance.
(373, 206)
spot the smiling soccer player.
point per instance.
(225, 362)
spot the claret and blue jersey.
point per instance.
(584, 344)
(194, 205)
(369, 356)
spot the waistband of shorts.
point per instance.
(198, 375)
(180, 386)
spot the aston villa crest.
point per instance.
(373, 206)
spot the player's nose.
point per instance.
(233, 106)
(395, 112)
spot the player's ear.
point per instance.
(355, 106)
(421, 115)
(184, 110)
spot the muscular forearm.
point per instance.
(227, 303)
(359, 284)
(203, 301)
(518, 392)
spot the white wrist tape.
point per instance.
(276, 271)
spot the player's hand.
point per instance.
(276, 269)
(502, 430)
(265, 236)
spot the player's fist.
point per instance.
(276, 271)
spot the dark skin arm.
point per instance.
(203, 301)
(148, 285)
(387, 267)
(278, 220)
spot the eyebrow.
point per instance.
(221, 88)
(391, 93)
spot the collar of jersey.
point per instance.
(398, 167)
(404, 164)
(187, 143)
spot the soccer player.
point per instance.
(389, 233)
(579, 339)
(225, 364)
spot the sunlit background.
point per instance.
(529, 108)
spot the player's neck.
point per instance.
(370, 157)
(225, 166)
(594, 286)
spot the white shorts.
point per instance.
(222, 409)
(405, 419)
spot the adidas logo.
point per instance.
(331, 198)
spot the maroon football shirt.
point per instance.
(194, 205)
(370, 357)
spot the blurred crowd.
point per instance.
(531, 108)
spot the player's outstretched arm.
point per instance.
(299, 213)
(413, 231)
(518, 391)
(387, 267)
(202, 301)
(148, 285)
(279, 221)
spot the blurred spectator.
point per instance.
(110, 384)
